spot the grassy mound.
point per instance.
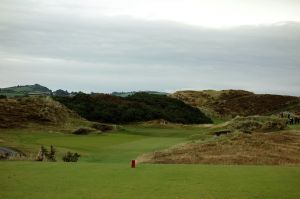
(42, 110)
(230, 103)
(256, 123)
(248, 149)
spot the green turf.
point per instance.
(116, 147)
(94, 180)
(164, 131)
(104, 170)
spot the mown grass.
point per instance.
(183, 131)
(104, 169)
(104, 148)
(117, 181)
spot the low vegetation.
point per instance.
(231, 103)
(83, 131)
(134, 108)
(250, 149)
(4, 156)
(16, 113)
(242, 140)
(45, 155)
(103, 127)
(95, 127)
(71, 157)
(257, 124)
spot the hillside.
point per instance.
(135, 108)
(35, 89)
(39, 110)
(230, 103)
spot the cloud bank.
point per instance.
(121, 53)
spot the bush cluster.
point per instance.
(102, 127)
(135, 108)
(71, 157)
(83, 131)
(44, 155)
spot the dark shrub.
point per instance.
(44, 155)
(83, 131)
(4, 156)
(3, 97)
(102, 127)
(51, 154)
(71, 157)
(135, 108)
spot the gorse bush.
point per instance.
(71, 157)
(257, 123)
(83, 131)
(51, 154)
(44, 155)
(135, 108)
(102, 127)
(4, 156)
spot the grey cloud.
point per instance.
(121, 53)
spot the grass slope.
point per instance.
(230, 103)
(256, 149)
(33, 110)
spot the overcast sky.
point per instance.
(163, 45)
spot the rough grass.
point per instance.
(257, 123)
(230, 103)
(16, 113)
(250, 149)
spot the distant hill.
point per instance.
(126, 94)
(230, 103)
(135, 108)
(35, 89)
